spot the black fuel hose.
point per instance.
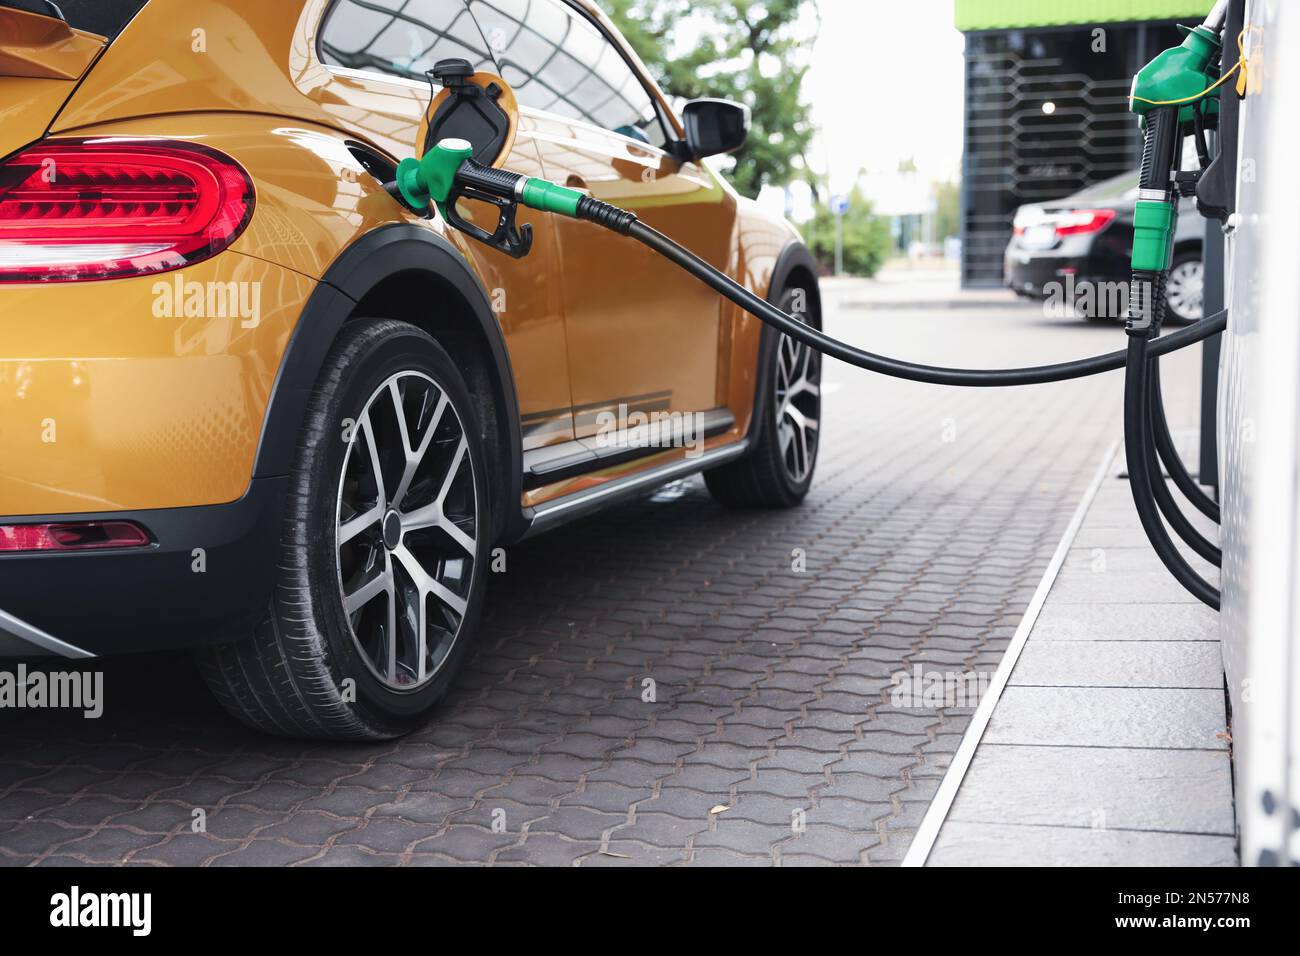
(1135, 452)
(1182, 479)
(933, 374)
(1164, 498)
(1160, 151)
(1142, 351)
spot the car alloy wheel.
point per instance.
(777, 470)
(406, 530)
(1185, 289)
(380, 574)
(798, 404)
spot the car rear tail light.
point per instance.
(72, 536)
(1025, 217)
(1079, 221)
(106, 208)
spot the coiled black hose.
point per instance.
(1135, 452)
(1160, 153)
(1164, 499)
(1182, 479)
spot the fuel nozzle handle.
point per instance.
(449, 171)
(1155, 218)
(433, 177)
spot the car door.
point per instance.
(377, 54)
(642, 335)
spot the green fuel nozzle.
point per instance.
(432, 178)
(1176, 91)
(1181, 76)
(450, 164)
(448, 172)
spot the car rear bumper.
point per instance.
(1036, 276)
(207, 578)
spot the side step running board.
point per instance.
(551, 463)
(552, 513)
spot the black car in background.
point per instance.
(1078, 248)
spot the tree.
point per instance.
(947, 213)
(753, 52)
(866, 238)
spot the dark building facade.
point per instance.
(1047, 87)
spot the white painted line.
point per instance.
(928, 831)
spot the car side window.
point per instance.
(402, 37)
(557, 61)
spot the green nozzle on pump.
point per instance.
(1180, 76)
(1176, 89)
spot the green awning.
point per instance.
(1003, 14)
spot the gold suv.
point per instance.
(252, 405)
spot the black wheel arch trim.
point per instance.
(794, 256)
(381, 254)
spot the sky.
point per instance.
(885, 85)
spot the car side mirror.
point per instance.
(715, 126)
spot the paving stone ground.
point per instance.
(647, 666)
(1109, 745)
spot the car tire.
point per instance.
(778, 470)
(339, 655)
(1184, 289)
